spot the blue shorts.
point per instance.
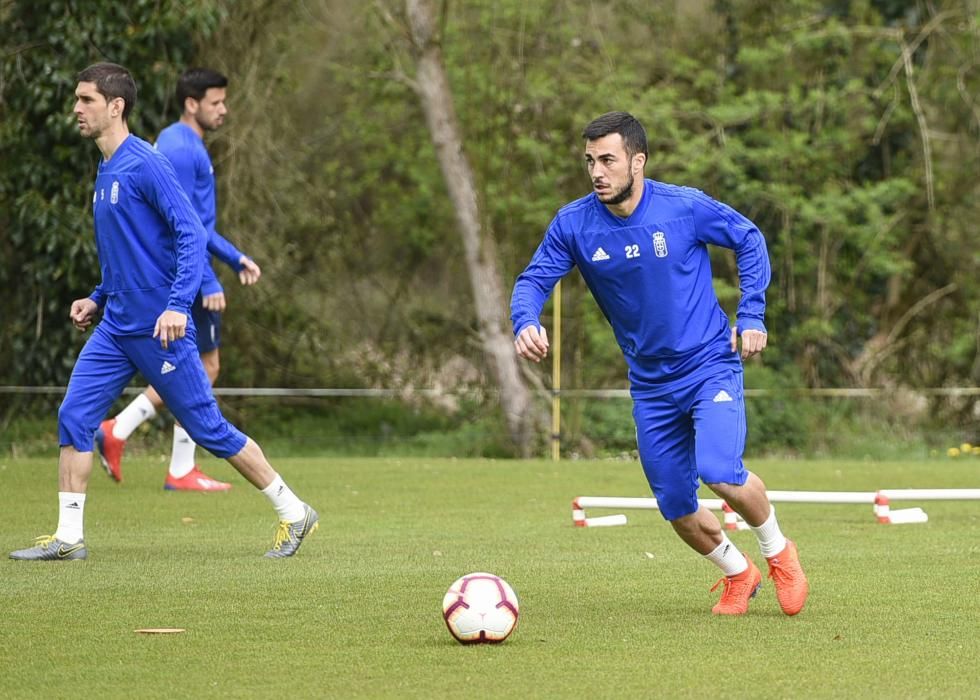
(696, 433)
(108, 362)
(208, 325)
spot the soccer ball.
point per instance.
(480, 608)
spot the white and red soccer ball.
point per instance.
(480, 608)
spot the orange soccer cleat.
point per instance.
(788, 577)
(195, 480)
(738, 589)
(110, 449)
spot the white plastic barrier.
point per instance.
(881, 501)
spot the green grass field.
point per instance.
(619, 612)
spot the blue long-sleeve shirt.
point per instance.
(192, 162)
(150, 241)
(650, 274)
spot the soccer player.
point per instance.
(641, 247)
(201, 93)
(150, 243)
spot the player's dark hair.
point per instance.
(194, 82)
(112, 81)
(622, 123)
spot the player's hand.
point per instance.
(171, 326)
(82, 312)
(251, 273)
(532, 343)
(753, 342)
(214, 302)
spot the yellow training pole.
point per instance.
(556, 377)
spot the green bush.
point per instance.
(780, 420)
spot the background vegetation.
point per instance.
(848, 130)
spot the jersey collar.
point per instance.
(637, 214)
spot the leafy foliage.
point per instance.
(47, 252)
(848, 131)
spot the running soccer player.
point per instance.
(201, 92)
(150, 244)
(641, 247)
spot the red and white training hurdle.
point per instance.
(880, 500)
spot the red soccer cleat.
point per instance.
(786, 573)
(195, 480)
(110, 449)
(738, 590)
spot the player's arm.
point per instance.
(183, 160)
(219, 246)
(84, 311)
(98, 295)
(248, 272)
(720, 224)
(212, 293)
(190, 166)
(225, 251)
(164, 192)
(550, 262)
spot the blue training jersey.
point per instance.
(650, 274)
(150, 240)
(192, 162)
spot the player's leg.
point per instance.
(110, 438)
(184, 474)
(211, 360)
(187, 393)
(101, 372)
(665, 442)
(719, 418)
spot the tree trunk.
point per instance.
(433, 90)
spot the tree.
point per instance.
(47, 250)
(435, 94)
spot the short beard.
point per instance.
(621, 196)
(205, 127)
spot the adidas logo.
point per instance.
(599, 254)
(722, 396)
(73, 504)
(167, 368)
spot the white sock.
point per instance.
(727, 557)
(71, 510)
(129, 419)
(287, 505)
(182, 456)
(771, 539)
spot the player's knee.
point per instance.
(722, 475)
(220, 438)
(72, 428)
(212, 364)
(684, 518)
(67, 415)
(676, 505)
(63, 413)
(720, 464)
